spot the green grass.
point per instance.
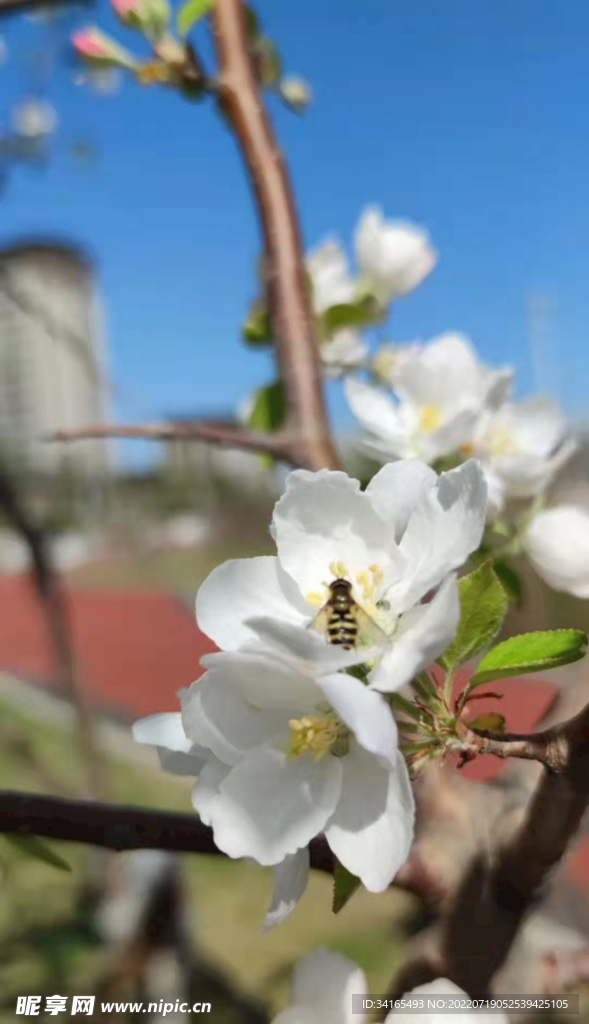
(227, 899)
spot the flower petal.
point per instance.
(395, 256)
(216, 713)
(176, 752)
(270, 806)
(290, 882)
(443, 987)
(325, 982)
(445, 373)
(377, 414)
(241, 589)
(268, 681)
(372, 828)
(328, 269)
(397, 488)
(370, 719)
(305, 648)
(445, 528)
(324, 518)
(557, 544)
(206, 791)
(423, 633)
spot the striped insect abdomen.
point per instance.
(342, 628)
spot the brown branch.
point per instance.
(493, 900)
(53, 601)
(545, 747)
(117, 827)
(289, 299)
(214, 432)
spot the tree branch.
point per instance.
(117, 827)
(493, 900)
(229, 434)
(289, 299)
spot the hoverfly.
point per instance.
(343, 621)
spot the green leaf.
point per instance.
(267, 62)
(191, 12)
(483, 606)
(491, 722)
(269, 409)
(363, 313)
(511, 581)
(344, 886)
(257, 329)
(253, 23)
(531, 652)
(34, 847)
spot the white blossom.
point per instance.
(523, 445)
(344, 352)
(557, 544)
(324, 983)
(442, 390)
(393, 256)
(333, 285)
(397, 542)
(330, 276)
(292, 747)
(180, 756)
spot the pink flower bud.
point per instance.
(94, 46)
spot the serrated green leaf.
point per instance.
(344, 886)
(257, 329)
(483, 607)
(510, 580)
(531, 652)
(34, 847)
(364, 313)
(191, 12)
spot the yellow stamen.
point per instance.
(430, 418)
(313, 734)
(315, 598)
(338, 570)
(467, 450)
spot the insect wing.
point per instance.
(321, 620)
(369, 633)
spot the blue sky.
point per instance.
(469, 118)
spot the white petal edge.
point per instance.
(372, 828)
(290, 881)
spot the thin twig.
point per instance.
(231, 435)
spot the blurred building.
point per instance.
(52, 357)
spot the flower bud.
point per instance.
(296, 93)
(151, 17)
(94, 46)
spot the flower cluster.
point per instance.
(291, 735)
(437, 402)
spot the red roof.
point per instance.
(134, 650)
